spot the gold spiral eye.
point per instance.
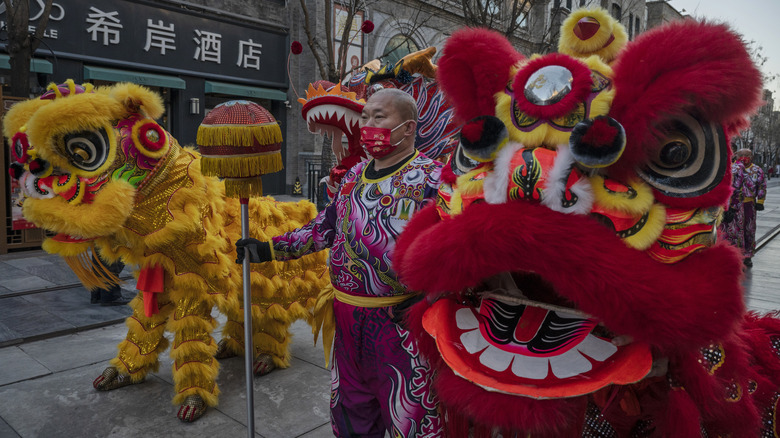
(691, 158)
(81, 152)
(87, 150)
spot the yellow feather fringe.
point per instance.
(239, 135)
(244, 187)
(241, 166)
(91, 272)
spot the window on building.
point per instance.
(582, 3)
(630, 26)
(637, 28)
(617, 11)
(557, 3)
(398, 47)
(522, 17)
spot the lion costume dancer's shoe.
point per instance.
(99, 171)
(579, 212)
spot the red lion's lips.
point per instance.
(530, 351)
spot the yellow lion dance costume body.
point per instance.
(98, 170)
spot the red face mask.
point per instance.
(376, 141)
(745, 160)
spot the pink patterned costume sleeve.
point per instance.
(361, 224)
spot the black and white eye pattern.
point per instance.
(18, 149)
(692, 160)
(460, 162)
(87, 150)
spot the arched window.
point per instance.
(398, 47)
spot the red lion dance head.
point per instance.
(580, 210)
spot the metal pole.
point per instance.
(248, 344)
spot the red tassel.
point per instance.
(151, 281)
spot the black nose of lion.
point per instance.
(597, 142)
(482, 136)
(39, 167)
(15, 170)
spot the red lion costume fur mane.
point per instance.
(580, 206)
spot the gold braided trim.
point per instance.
(242, 166)
(239, 135)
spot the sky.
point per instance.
(755, 19)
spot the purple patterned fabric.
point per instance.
(361, 224)
(749, 188)
(379, 379)
(380, 382)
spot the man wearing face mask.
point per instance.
(379, 381)
(739, 223)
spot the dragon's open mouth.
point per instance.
(529, 342)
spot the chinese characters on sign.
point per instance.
(104, 23)
(160, 36)
(209, 46)
(105, 28)
(249, 54)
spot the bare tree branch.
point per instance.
(310, 40)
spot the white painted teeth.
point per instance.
(571, 363)
(473, 341)
(465, 319)
(530, 367)
(496, 359)
(344, 116)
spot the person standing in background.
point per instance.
(739, 223)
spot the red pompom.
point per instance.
(472, 131)
(367, 26)
(296, 48)
(601, 133)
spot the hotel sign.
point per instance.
(162, 38)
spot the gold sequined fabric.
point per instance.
(111, 379)
(193, 408)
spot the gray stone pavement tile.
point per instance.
(65, 405)
(25, 262)
(18, 366)
(288, 402)
(4, 291)
(73, 306)
(25, 283)
(324, 431)
(56, 274)
(72, 351)
(7, 335)
(8, 270)
(6, 431)
(302, 345)
(28, 320)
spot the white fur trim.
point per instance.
(556, 185)
(496, 182)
